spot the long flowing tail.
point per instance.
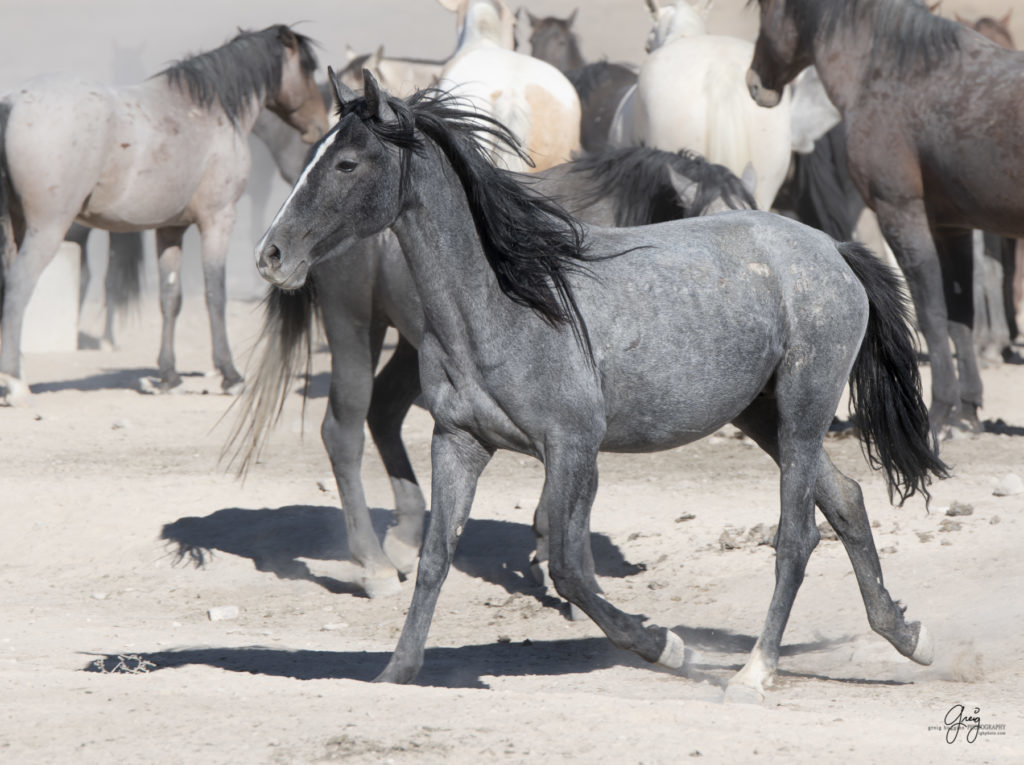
(7, 243)
(885, 384)
(284, 346)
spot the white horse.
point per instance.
(692, 94)
(535, 100)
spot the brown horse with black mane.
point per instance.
(933, 113)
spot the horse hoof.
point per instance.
(674, 653)
(539, 572)
(924, 652)
(14, 390)
(741, 693)
(234, 389)
(381, 587)
(402, 555)
(577, 614)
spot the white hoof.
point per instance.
(381, 587)
(577, 614)
(924, 653)
(402, 555)
(236, 389)
(15, 391)
(738, 692)
(539, 572)
(674, 653)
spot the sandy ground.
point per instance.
(102, 487)
(107, 651)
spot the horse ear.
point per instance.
(373, 62)
(704, 8)
(376, 99)
(287, 37)
(686, 188)
(343, 94)
(534, 20)
(961, 20)
(350, 54)
(572, 17)
(1005, 21)
(653, 8)
(451, 5)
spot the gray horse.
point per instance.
(163, 154)
(358, 298)
(557, 340)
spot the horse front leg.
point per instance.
(168, 253)
(457, 459)
(36, 252)
(215, 233)
(907, 231)
(394, 391)
(354, 352)
(570, 485)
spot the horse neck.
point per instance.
(459, 291)
(573, 56)
(843, 62)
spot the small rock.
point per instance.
(222, 613)
(889, 550)
(960, 508)
(99, 596)
(1009, 485)
(325, 484)
(729, 540)
(946, 542)
(925, 536)
(334, 626)
(121, 425)
(685, 517)
(993, 520)
(762, 534)
(947, 525)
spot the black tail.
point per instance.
(124, 271)
(885, 384)
(286, 340)
(7, 243)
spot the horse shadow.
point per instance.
(107, 379)
(469, 666)
(282, 540)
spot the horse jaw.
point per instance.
(761, 95)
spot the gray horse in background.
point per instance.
(559, 340)
(358, 300)
(163, 154)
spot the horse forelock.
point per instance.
(248, 65)
(904, 33)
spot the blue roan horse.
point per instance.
(557, 340)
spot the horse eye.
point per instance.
(347, 166)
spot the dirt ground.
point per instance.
(108, 651)
(122, 533)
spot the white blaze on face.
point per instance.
(299, 184)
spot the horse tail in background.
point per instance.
(124, 271)
(7, 243)
(286, 340)
(885, 384)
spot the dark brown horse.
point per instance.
(933, 112)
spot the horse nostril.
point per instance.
(272, 256)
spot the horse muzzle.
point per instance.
(762, 96)
(272, 267)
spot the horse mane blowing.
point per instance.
(245, 67)
(531, 242)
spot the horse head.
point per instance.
(297, 100)
(672, 22)
(780, 53)
(483, 21)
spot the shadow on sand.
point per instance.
(281, 540)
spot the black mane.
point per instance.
(530, 241)
(905, 32)
(247, 66)
(637, 179)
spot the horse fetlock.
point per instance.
(381, 585)
(14, 391)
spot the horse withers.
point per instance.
(559, 341)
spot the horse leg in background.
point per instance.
(168, 250)
(1008, 259)
(955, 249)
(457, 460)
(215, 233)
(905, 228)
(355, 343)
(123, 282)
(394, 391)
(37, 250)
(79, 234)
(842, 503)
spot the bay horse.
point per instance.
(358, 298)
(557, 340)
(933, 113)
(164, 154)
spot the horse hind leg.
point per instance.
(394, 391)
(956, 254)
